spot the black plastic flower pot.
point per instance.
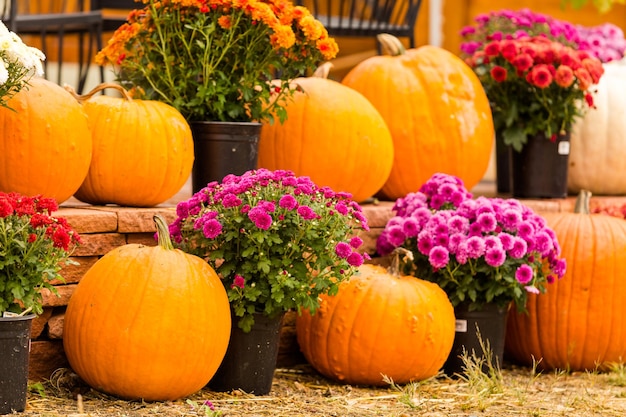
(14, 354)
(223, 148)
(540, 169)
(251, 357)
(480, 335)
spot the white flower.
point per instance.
(18, 63)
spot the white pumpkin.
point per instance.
(598, 141)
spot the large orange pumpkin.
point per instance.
(148, 323)
(332, 134)
(437, 112)
(45, 142)
(142, 150)
(580, 322)
(379, 324)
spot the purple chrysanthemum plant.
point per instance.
(276, 240)
(482, 250)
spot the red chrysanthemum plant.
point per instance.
(535, 86)
(34, 245)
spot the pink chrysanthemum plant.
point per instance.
(34, 246)
(535, 86)
(277, 241)
(218, 60)
(482, 250)
(605, 42)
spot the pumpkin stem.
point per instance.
(582, 202)
(394, 268)
(390, 44)
(97, 89)
(323, 70)
(163, 232)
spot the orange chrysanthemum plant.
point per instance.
(535, 86)
(216, 59)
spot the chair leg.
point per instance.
(60, 59)
(99, 48)
(81, 66)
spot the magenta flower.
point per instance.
(410, 227)
(439, 257)
(519, 248)
(231, 200)
(356, 242)
(260, 217)
(355, 259)
(424, 243)
(487, 222)
(341, 208)
(475, 247)
(524, 274)
(495, 257)
(306, 212)
(343, 250)
(238, 281)
(288, 202)
(396, 236)
(211, 229)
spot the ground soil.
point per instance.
(300, 391)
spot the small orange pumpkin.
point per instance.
(148, 323)
(45, 142)
(378, 324)
(142, 150)
(333, 135)
(437, 112)
(580, 322)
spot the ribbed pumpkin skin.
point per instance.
(146, 322)
(598, 140)
(143, 152)
(334, 135)
(45, 144)
(580, 322)
(437, 112)
(377, 323)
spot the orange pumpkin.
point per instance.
(142, 150)
(437, 112)
(332, 134)
(45, 142)
(580, 322)
(379, 323)
(148, 323)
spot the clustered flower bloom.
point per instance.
(18, 63)
(221, 60)
(605, 42)
(276, 240)
(479, 250)
(535, 86)
(33, 244)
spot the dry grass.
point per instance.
(301, 392)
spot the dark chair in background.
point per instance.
(58, 18)
(366, 18)
(114, 12)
